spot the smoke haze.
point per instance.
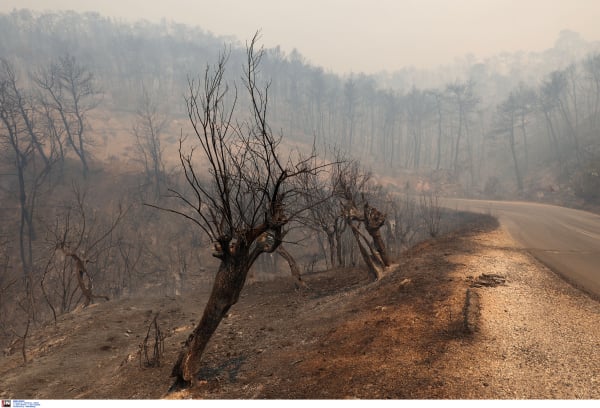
(359, 36)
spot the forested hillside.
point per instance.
(93, 108)
(454, 120)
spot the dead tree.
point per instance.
(158, 348)
(80, 267)
(461, 95)
(149, 125)
(23, 106)
(81, 235)
(21, 145)
(352, 184)
(69, 89)
(373, 220)
(242, 200)
(324, 214)
(506, 122)
(367, 251)
(21, 153)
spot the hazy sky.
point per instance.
(366, 35)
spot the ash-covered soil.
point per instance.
(428, 329)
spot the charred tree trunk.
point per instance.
(338, 247)
(374, 220)
(226, 290)
(374, 272)
(332, 247)
(236, 260)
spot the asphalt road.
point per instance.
(566, 240)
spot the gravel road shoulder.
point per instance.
(538, 336)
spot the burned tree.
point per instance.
(352, 185)
(506, 123)
(243, 199)
(81, 274)
(69, 89)
(149, 125)
(461, 95)
(373, 219)
(324, 212)
(81, 236)
(21, 146)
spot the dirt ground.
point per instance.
(430, 329)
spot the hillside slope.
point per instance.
(411, 335)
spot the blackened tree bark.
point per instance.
(246, 201)
(374, 220)
(352, 185)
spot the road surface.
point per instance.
(566, 240)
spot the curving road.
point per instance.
(566, 240)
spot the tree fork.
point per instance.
(81, 271)
(293, 266)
